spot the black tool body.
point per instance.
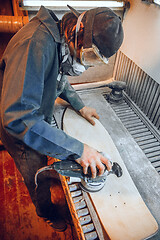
(73, 169)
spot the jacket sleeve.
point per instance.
(70, 95)
(21, 99)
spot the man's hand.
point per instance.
(91, 158)
(88, 113)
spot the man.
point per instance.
(35, 65)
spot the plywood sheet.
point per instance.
(119, 205)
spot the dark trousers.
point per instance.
(28, 162)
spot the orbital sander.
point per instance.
(74, 170)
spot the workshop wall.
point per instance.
(142, 37)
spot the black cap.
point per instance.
(107, 32)
(103, 28)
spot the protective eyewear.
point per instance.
(92, 56)
(89, 53)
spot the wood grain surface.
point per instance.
(120, 207)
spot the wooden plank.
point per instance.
(119, 205)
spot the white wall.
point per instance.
(142, 37)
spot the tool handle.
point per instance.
(71, 168)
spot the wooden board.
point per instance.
(120, 207)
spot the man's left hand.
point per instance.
(88, 113)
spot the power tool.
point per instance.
(74, 170)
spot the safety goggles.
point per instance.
(92, 56)
(89, 53)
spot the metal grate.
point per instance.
(141, 130)
(83, 213)
(141, 88)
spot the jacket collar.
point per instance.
(51, 22)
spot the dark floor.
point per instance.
(18, 219)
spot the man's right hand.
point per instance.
(93, 159)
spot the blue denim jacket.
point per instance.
(31, 66)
